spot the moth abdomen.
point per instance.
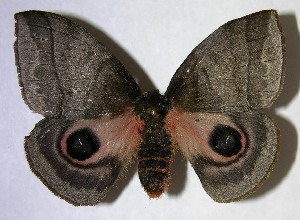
(154, 158)
(154, 175)
(155, 152)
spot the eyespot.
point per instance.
(225, 140)
(82, 144)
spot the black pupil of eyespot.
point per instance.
(82, 144)
(225, 140)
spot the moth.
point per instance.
(97, 121)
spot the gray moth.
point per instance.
(97, 121)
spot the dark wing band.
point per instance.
(231, 153)
(50, 151)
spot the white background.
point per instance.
(151, 38)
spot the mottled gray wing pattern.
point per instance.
(65, 72)
(237, 68)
